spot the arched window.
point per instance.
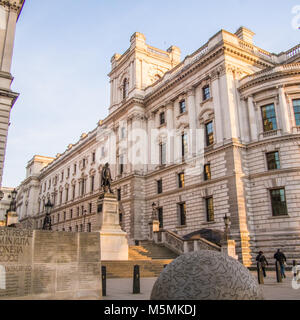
(125, 88)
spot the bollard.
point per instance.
(260, 275)
(278, 272)
(103, 271)
(136, 279)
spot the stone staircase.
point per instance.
(149, 256)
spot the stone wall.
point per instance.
(49, 265)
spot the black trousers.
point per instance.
(264, 271)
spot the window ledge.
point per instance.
(205, 101)
(208, 222)
(162, 125)
(279, 217)
(181, 227)
(182, 114)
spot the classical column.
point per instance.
(217, 108)
(192, 120)
(170, 128)
(284, 110)
(252, 119)
(244, 123)
(129, 145)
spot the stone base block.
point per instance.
(114, 245)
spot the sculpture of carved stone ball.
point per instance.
(206, 275)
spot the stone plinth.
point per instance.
(49, 265)
(114, 244)
(12, 218)
(228, 247)
(206, 275)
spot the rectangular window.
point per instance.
(76, 228)
(62, 176)
(182, 107)
(181, 180)
(207, 173)
(73, 191)
(209, 132)
(67, 194)
(77, 211)
(60, 197)
(92, 183)
(82, 210)
(278, 202)
(65, 216)
(162, 118)
(184, 145)
(182, 214)
(119, 194)
(206, 93)
(68, 173)
(89, 227)
(71, 213)
(160, 217)
(70, 229)
(159, 186)
(209, 209)
(81, 228)
(296, 105)
(269, 118)
(75, 167)
(121, 164)
(162, 153)
(90, 207)
(273, 160)
(120, 218)
(93, 157)
(58, 217)
(122, 133)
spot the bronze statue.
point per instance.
(47, 222)
(106, 178)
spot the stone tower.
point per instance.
(9, 14)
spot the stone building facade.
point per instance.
(216, 134)
(9, 14)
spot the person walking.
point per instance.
(263, 261)
(280, 257)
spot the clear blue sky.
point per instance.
(63, 49)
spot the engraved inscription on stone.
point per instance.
(89, 275)
(89, 247)
(67, 247)
(67, 277)
(45, 246)
(17, 281)
(44, 278)
(111, 207)
(15, 246)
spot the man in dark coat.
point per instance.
(280, 257)
(263, 261)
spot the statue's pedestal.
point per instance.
(228, 247)
(12, 218)
(113, 241)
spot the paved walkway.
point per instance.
(121, 289)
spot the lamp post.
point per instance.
(1, 195)
(12, 205)
(47, 220)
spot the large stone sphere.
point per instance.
(206, 275)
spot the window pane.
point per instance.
(273, 161)
(296, 104)
(206, 93)
(182, 212)
(160, 217)
(162, 118)
(207, 174)
(162, 153)
(184, 144)
(209, 133)
(210, 209)
(278, 202)
(181, 180)
(182, 108)
(269, 118)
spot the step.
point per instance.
(124, 269)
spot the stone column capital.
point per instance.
(190, 91)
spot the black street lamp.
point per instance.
(1, 195)
(47, 220)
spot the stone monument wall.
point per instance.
(37, 264)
